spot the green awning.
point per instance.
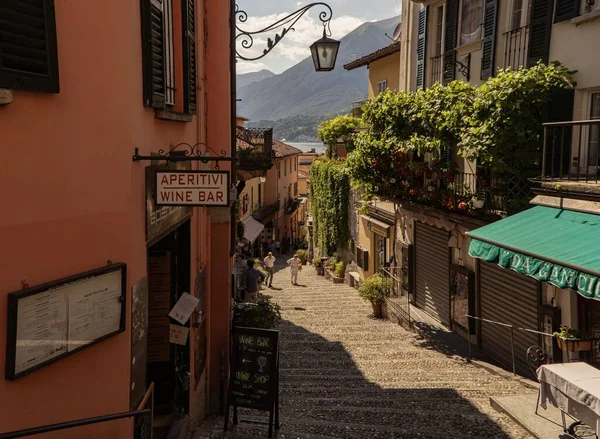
(558, 246)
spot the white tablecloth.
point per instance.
(574, 388)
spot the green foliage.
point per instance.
(341, 129)
(330, 190)
(262, 314)
(374, 289)
(497, 125)
(340, 269)
(567, 333)
(303, 255)
(316, 262)
(259, 267)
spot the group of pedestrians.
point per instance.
(254, 276)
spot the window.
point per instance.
(296, 189)
(594, 141)
(470, 21)
(284, 168)
(520, 14)
(159, 57)
(295, 163)
(252, 198)
(382, 86)
(279, 170)
(439, 30)
(28, 46)
(245, 204)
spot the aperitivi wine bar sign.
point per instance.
(192, 188)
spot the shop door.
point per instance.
(433, 271)
(510, 298)
(380, 251)
(589, 318)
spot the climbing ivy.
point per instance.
(330, 190)
(340, 129)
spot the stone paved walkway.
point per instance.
(347, 375)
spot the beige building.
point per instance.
(383, 65)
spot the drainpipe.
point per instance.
(233, 84)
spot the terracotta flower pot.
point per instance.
(574, 345)
(377, 309)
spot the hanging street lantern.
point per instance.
(324, 53)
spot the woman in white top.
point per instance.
(294, 264)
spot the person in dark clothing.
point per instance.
(253, 277)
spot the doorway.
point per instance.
(168, 263)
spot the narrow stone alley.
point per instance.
(347, 375)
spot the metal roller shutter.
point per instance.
(510, 298)
(433, 271)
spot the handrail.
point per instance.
(72, 424)
(571, 122)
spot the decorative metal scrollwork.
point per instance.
(246, 38)
(185, 152)
(464, 67)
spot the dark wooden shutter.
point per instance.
(539, 32)
(422, 48)
(189, 56)
(28, 48)
(566, 9)
(488, 42)
(450, 34)
(153, 53)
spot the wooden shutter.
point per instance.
(539, 32)
(450, 34)
(422, 48)
(189, 56)
(153, 53)
(28, 48)
(488, 42)
(566, 9)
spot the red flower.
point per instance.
(462, 205)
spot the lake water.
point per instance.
(319, 147)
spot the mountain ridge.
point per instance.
(300, 90)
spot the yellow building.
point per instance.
(383, 65)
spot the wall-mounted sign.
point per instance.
(192, 188)
(378, 227)
(49, 322)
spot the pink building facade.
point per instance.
(72, 110)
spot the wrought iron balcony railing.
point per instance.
(437, 67)
(516, 44)
(357, 107)
(572, 151)
(292, 206)
(266, 211)
(254, 147)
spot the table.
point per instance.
(573, 388)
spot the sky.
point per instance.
(347, 16)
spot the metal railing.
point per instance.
(266, 211)
(437, 68)
(572, 151)
(292, 206)
(73, 424)
(568, 344)
(516, 43)
(396, 284)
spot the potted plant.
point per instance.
(339, 272)
(303, 255)
(373, 289)
(318, 266)
(477, 201)
(570, 339)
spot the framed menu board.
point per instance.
(52, 321)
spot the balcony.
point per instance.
(571, 152)
(437, 67)
(516, 45)
(254, 148)
(357, 107)
(266, 212)
(292, 206)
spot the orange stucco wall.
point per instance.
(76, 199)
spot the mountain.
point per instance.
(250, 78)
(302, 91)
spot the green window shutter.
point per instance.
(189, 56)
(422, 48)
(28, 47)
(153, 53)
(450, 35)
(539, 32)
(566, 9)
(488, 42)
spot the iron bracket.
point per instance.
(464, 66)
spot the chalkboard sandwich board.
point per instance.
(254, 380)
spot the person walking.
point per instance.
(270, 266)
(252, 277)
(278, 248)
(294, 264)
